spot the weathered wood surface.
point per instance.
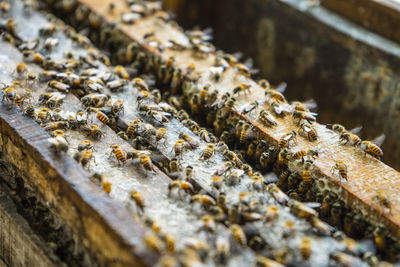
(366, 174)
(19, 246)
(105, 227)
(380, 16)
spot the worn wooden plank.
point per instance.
(19, 244)
(380, 16)
(365, 173)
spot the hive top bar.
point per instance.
(366, 175)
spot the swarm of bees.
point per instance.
(97, 89)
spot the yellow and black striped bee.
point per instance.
(347, 137)
(238, 234)
(21, 68)
(54, 125)
(9, 94)
(161, 134)
(383, 200)
(139, 199)
(305, 248)
(341, 167)
(242, 87)
(95, 100)
(287, 138)
(244, 133)
(19, 100)
(337, 128)
(92, 131)
(178, 147)
(372, 147)
(266, 118)
(85, 145)
(119, 153)
(146, 161)
(117, 107)
(181, 186)
(189, 139)
(303, 153)
(58, 144)
(133, 127)
(59, 86)
(103, 117)
(207, 152)
(306, 173)
(122, 72)
(30, 112)
(87, 155)
(308, 130)
(44, 114)
(58, 132)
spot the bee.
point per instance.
(174, 165)
(304, 106)
(271, 213)
(306, 173)
(305, 248)
(337, 128)
(258, 182)
(4, 6)
(267, 262)
(341, 167)
(58, 144)
(204, 200)
(302, 210)
(322, 227)
(87, 155)
(47, 75)
(21, 68)
(92, 131)
(303, 153)
(103, 117)
(62, 87)
(133, 127)
(30, 112)
(244, 133)
(19, 100)
(117, 107)
(207, 152)
(217, 182)
(50, 43)
(206, 136)
(347, 137)
(139, 199)
(283, 157)
(146, 161)
(383, 200)
(243, 87)
(11, 26)
(231, 156)
(179, 146)
(85, 145)
(58, 133)
(154, 242)
(119, 153)
(157, 116)
(274, 190)
(303, 115)
(208, 224)
(238, 234)
(308, 130)
(372, 147)
(190, 140)
(117, 85)
(44, 114)
(161, 134)
(195, 104)
(121, 72)
(267, 118)
(181, 186)
(380, 238)
(55, 100)
(286, 138)
(9, 94)
(249, 108)
(227, 166)
(222, 249)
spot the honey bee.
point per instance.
(303, 153)
(304, 106)
(322, 227)
(302, 210)
(305, 248)
(287, 138)
(189, 139)
(58, 133)
(55, 100)
(208, 224)
(222, 249)
(306, 173)
(119, 153)
(181, 186)
(48, 29)
(146, 162)
(139, 199)
(372, 147)
(276, 94)
(4, 6)
(121, 72)
(206, 136)
(117, 107)
(95, 100)
(58, 144)
(87, 155)
(266, 118)
(103, 117)
(161, 134)
(117, 85)
(258, 182)
(249, 108)
(92, 131)
(341, 167)
(347, 137)
(204, 200)
(303, 115)
(227, 166)
(59, 86)
(308, 130)
(383, 200)
(47, 75)
(178, 147)
(21, 68)
(238, 234)
(274, 190)
(154, 242)
(244, 133)
(50, 43)
(337, 128)
(271, 213)
(242, 87)
(207, 152)
(231, 156)
(19, 100)
(30, 112)
(267, 262)
(44, 114)
(157, 116)
(85, 145)
(9, 94)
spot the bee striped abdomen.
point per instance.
(306, 176)
(103, 117)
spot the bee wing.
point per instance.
(281, 88)
(379, 140)
(270, 178)
(237, 55)
(313, 205)
(144, 152)
(356, 130)
(310, 103)
(159, 117)
(248, 62)
(248, 108)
